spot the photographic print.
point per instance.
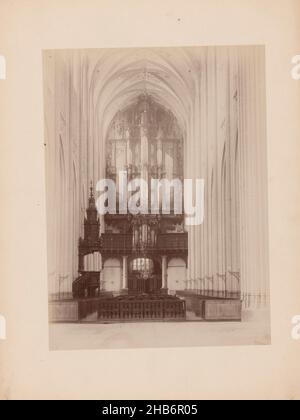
(156, 173)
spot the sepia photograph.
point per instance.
(150, 203)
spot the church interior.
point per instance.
(156, 113)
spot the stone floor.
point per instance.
(252, 331)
